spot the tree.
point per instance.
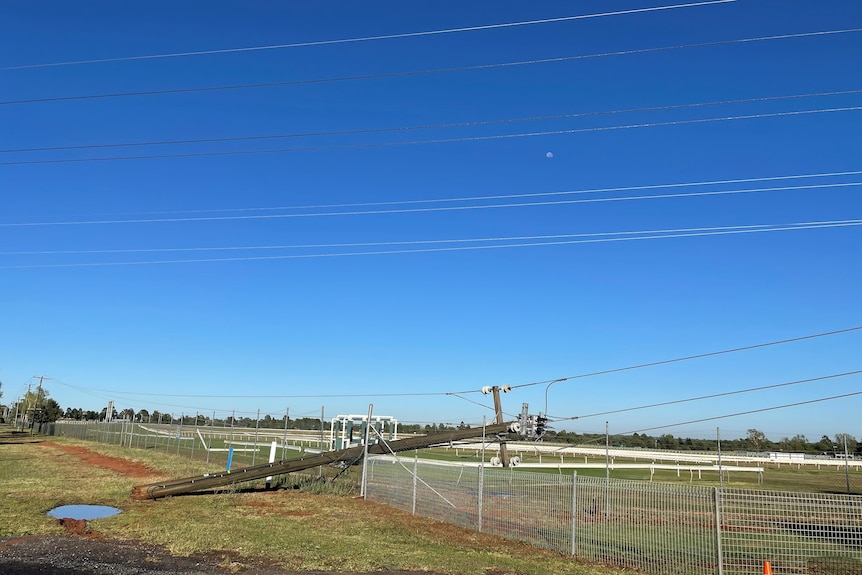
(50, 411)
(668, 441)
(756, 439)
(824, 445)
(840, 438)
(796, 443)
(32, 403)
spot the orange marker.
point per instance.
(767, 568)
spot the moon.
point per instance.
(549, 155)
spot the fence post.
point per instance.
(212, 435)
(481, 491)
(367, 436)
(284, 436)
(256, 431)
(720, 558)
(168, 434)
(574, 510)
(415, 478)
(195, 435)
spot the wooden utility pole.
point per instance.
(498, 408)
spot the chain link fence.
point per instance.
(651, 527)
(225, 446)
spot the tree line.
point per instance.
(38, 407)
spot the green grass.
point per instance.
(294, 528)
(777, 478)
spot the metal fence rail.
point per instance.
(652, 527)
(803, 532)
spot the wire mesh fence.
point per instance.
(223, 446)
(653, 527)
(650, 527)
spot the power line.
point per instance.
(425, 250)
(135, 396)
(749, 412)
(688, 357)
(436, 209)
(428, 126)
(752, 227)
(435, 141)
(524, 195)
(553, 60)
(711, 396)
(367, 38)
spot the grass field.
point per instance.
(295, 529)
(779, 478)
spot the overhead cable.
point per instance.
(433, 209)
(234, 396)
(752, 227)
(428, 250)
(749, 412)
(687, 358)
(427, 126)
(435, 141)
(368, 38)
(477, 67)
(521, 195)
(711, 396)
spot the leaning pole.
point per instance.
(347, 456)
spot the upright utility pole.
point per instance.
(17, 405)
(25, 419)
(498, 408)
(38, 399)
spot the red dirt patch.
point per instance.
(74, 526)
(122, 466)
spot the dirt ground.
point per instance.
(85, 552)
(122, 466)
(86, 555)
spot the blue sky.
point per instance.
(129, 312)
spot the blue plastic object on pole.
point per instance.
(229, 458)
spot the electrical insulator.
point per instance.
(539, 429)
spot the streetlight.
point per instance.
(547, 387)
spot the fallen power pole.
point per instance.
(347, 456)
